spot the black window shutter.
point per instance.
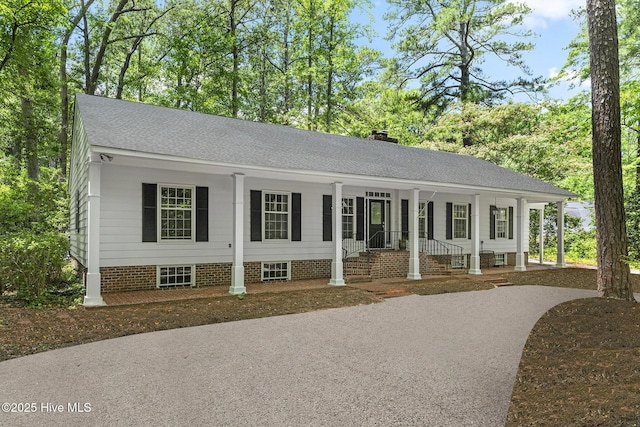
(359, 218)
(326, 218)
(492, 222)
(296, 217)
(469, 222)
(430, 220)
(149, 212)
(404, 218)
(511, 222)
(449, 224)
(256, 215)
(202, 214)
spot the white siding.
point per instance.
(78, 170)
(311, 246)
(121, 221)
(440, 201)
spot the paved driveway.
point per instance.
(445, 360)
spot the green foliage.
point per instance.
(380, 107)
(550, 142)
(27, 204)
(580, 246)
(31, 263)
(33, 243)
(443, 45)
(632, 208)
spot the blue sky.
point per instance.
(550, 19)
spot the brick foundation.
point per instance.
(139, 278)
(118, 279)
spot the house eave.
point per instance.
(129, 158)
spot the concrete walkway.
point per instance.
(444, 360)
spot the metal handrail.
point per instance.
(398, 240)
(438, 247)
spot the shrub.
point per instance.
(32, 263)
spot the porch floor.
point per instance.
(376, 286)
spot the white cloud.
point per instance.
(543, 11)
(553, 9)
(570, 77)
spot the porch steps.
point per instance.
(496, 281)
(356, 269)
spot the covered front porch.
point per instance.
(385, 222)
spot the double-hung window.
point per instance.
(276, 216)
(422, 219)
(176, 212)
(460, 218)
(502, 221)
(348, 230)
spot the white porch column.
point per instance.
(237, 268)
(541, 247)
(414, 241)
(521, 264)
(475, 235)
(337, 278)
(93, 295)
(560, 259)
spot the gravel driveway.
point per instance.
(444, 360)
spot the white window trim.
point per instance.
(193, 275)
(159, 214)
(264, 228)
(506, 222)
(453, 221)
(423, 209)
(504, 259)
(462, 264)
(265, 263)
(352, 215)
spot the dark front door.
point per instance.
(377, 238)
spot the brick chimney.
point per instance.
(382, 135)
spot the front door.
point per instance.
(377, 237)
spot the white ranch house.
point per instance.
(163, 197)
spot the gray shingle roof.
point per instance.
(160, 130)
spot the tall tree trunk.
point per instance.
(94, 74)
(63, 136)
(285, 70)
(86, 53)
(125, 66)
(611, 233)
(263, 85)
(465, 83)
(330, 75)
(236, 59)
(310, 79)
(30, 137)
